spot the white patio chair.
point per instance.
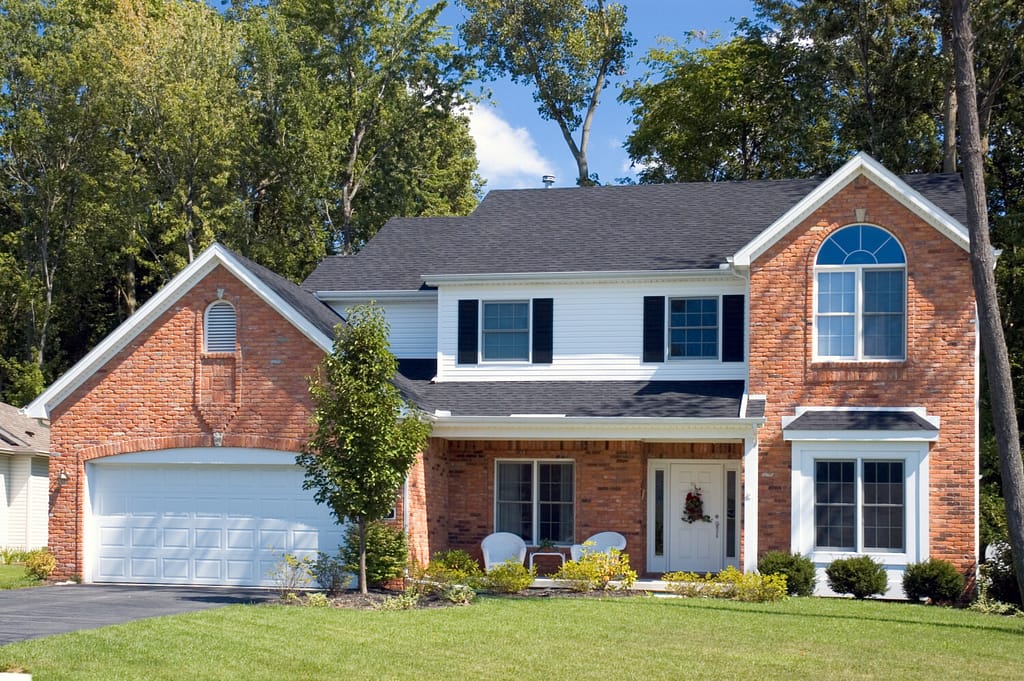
(502, 546)
(599, 543)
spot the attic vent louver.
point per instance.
(220, 328)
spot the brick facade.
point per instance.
(938, 373)
(161, 391)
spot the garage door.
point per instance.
(189, 523)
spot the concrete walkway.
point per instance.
(46, 610)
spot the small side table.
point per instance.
(561, 556)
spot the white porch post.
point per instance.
(750, 482)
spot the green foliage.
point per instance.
(934, 579)
(13, 554)
(1001, 577)
(511, 577)
(730, 583)
(365, 438)
(565, 49)
(331, 573)
(860, 576)
(40, 563)
(291, 573)
(458, 594)
(317, 600)
(985, 603)
(387, 552)
(798, 569)
(457, 561)
(20, 382)
(404, 601)
(597, 570)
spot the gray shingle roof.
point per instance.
(693, 225)
(666, 399)
(318, 314)
(20, 433)
(880, 420)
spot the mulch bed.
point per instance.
(374, 599)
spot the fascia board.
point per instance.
(159, 303)
(860, 435)
(542, 427)
(860, 165)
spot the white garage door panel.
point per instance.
(201, 524)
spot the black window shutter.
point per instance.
(733, 336)
(654, 328)
(543, 313)
(468, 318)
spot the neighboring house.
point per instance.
(24, 453)
(802, 352)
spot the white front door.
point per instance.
(696, 544)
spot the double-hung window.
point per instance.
(693, 328)
(859, 505)
(860, 297)
(536, 500)
(506, 331)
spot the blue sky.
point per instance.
(515, 146)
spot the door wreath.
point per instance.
(693, 509)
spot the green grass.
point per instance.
(14, 577)
(620, 638)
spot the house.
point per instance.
(800, 356)
(24, 453)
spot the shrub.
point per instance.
(933, 579)
(510, 577)
(456, 560)
(730, 583)
(1002, 576)
(291, 573)
(798, 569)
(404, 601)
(330, 573)
(386, 552)
(459, 594)
(13, 554)
(597, 570)
(859, 575)
(317, 600)
(40, 563)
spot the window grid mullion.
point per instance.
(535, 494)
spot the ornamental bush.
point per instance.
(934, 579)
(597, 570)
(510, 577)
(1002, 579)
(386, 552)
(40, 563)
(730, 583)
(331, 573)
(859, 575)
(798, 569)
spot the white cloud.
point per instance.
(508, 156)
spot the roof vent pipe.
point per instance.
(548, 180)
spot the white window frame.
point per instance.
(206, 327)
(535, 495)
(668, 329)
(858, 313)
(529, 332)
(913, 455)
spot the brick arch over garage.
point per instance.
(149, 444)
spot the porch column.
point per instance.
(750, 484)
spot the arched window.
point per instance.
(219, 327)
(860, 307)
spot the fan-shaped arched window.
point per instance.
(861, 296)
(219, 327)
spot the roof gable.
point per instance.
(311, 317)
(860, 165)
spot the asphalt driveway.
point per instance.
(45, 610)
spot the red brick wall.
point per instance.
(938, 372)
(160, 392)
(611, 479)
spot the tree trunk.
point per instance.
(993, 342)
(362, 555)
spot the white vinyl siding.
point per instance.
(598, 332)
(24, 503)
(413, 325)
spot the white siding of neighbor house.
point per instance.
(5, 471)
(597, 331)
(413, 325)
(39, 502)
(23, 501)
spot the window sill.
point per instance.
(881, 557)
(218, 355)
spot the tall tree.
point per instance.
(565, 49)
(993, 342)
(366, 439)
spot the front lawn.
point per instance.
(553, 638)
(14, 577)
